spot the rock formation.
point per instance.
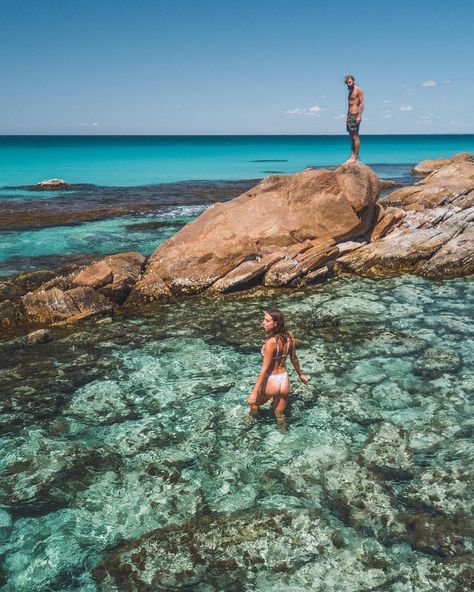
(70, 294)
(292, 222)
(287, 231)
(433, 230)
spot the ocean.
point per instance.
(128, 459)
(124, 161)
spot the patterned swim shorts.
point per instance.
(351, 126)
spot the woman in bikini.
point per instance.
(272, 382)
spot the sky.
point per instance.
(234, 66)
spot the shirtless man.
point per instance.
(355, 109)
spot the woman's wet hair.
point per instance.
(280, 328)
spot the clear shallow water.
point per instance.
(114, 431)
(138, 160)
(40, 248)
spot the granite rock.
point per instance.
(281, 211)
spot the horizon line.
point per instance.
(48, 135)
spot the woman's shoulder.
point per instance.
(270, 345)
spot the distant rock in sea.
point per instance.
(52, 184)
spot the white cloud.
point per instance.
(425, 119)
(295, 111)
(387, 116)
(322, 96)
(315, 110)
(386, 102)
(87, 124)
(406, 108)
(428, 83)
(340, 116)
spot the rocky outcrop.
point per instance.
(429, 166)
(281, 214)
(451, 184)
(69, 294)
(428, 228)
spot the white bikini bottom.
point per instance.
(279, 378)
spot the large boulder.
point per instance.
(113, 276)
(279, 212)
(56, 305)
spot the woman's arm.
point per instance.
(296, 363)
(269, 350)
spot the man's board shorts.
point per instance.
(352, 126)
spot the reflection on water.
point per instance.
(116, 431)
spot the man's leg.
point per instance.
(355, 143)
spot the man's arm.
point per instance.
(361, 104)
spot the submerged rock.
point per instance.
(39, 336)
(442, 490)
(362, 502)
(222, 552)
(39, 475)
(440, 536)
(437, 361)
(388, 453)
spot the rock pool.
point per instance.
(129, 461)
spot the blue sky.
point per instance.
(234, 66)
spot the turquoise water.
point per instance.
(114, 432)
(129, 160)
(31, 249)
